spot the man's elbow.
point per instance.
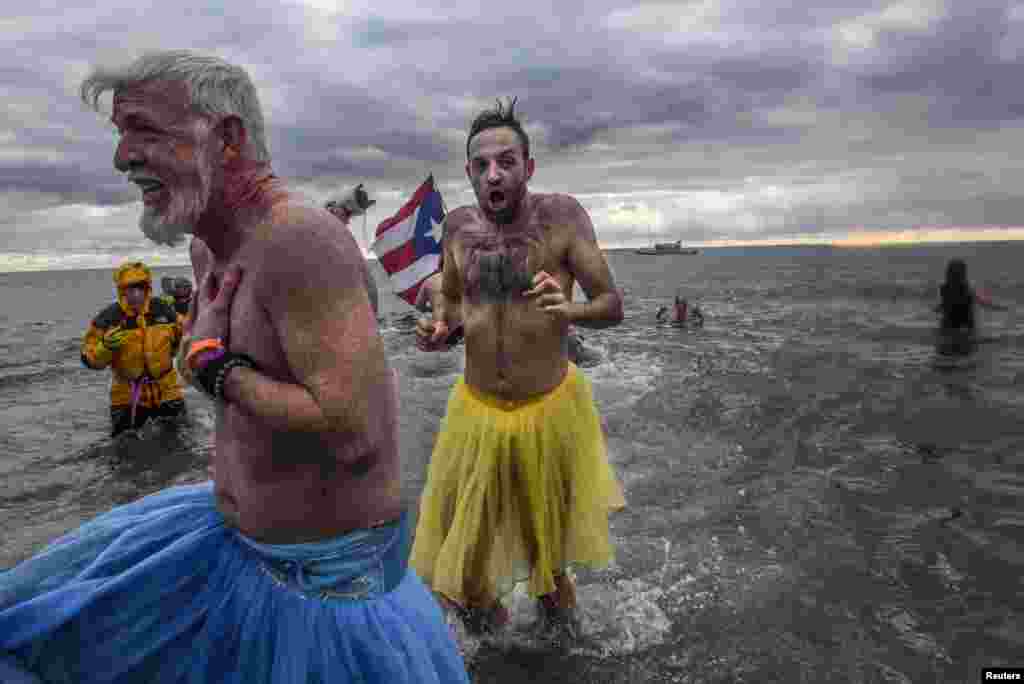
(617, 312)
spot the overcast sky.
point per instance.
(710, 122)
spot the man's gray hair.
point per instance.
(215, 88)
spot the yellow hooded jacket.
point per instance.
(146, 357)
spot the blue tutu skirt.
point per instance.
(161, 590)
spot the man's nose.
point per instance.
(492, 173)
(127, 156)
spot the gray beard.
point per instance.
(181, 216)
(161, 230)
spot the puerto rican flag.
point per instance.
(408, 244)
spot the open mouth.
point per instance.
(496, 197)
(150, 188)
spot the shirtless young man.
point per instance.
(519, 485)
(290, 566)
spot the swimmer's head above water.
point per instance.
(956, 273)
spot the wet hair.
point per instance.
(501, 116)
(957, 297)
(956, 273)
(215, 87)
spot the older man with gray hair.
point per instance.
(290, 566)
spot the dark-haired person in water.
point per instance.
(683, 313)
(519, 485)
(177, 293)
(958, 301)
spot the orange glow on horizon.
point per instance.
(923, 235)
(855, 238)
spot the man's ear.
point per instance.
(232, 132)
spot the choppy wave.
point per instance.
(808, 498)
(32, 374)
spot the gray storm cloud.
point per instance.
(698, 119)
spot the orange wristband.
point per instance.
(201, 346)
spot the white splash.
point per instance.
(614, 619)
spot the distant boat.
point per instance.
(667, 248)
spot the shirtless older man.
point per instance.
(291, 565)
(519, 486)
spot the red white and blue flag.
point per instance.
(408, 244)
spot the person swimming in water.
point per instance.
(177, 293)
(957, 305)
(683, 313)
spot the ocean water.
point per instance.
(812, 495)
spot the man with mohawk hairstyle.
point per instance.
(519, 486)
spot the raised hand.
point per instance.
(550, 297)
(431, 335)
(114, 338)
(213, 305)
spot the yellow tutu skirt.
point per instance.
(516, 491)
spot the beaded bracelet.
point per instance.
(211, 376)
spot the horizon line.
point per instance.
(846, 243)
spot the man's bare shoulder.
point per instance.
(564, 215)
(307, 246)
(558, 207)
(459, 218)
(300, 229)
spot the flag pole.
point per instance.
(444, 209)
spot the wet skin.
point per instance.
(517, 340)
(510, 264)
(289, 485)
(305, 447)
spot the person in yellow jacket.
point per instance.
(137, 336)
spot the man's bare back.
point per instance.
(514, 348)
(277, 478)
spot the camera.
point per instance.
(356, 201)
